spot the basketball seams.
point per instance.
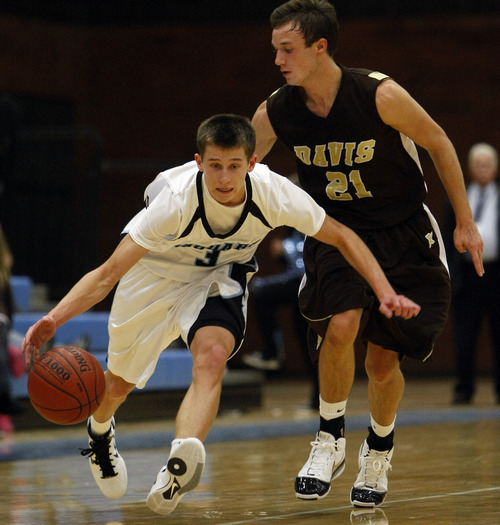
(76, 370)
(46, 388)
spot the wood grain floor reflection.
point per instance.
(443, 473)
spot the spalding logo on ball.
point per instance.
(66, 385)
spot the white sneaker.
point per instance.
(181, 474)
(371, 486)
(106, 464)
(325, 463)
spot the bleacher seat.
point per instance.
(173, 371)
(93, 325)
(22, 287)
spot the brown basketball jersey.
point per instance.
(360, 170)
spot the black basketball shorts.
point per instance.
(413, 258)
(226, 313)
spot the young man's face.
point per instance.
(224, 172)
(297, 63)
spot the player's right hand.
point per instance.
(398, 305)
(36, 336)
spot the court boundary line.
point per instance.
(347, 507)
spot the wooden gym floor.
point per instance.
(446, 466)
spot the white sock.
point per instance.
(380, 430)
(331, 410)
(99, 429)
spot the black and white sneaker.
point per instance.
(107, 466)
(371, 485)
(181, 474)
(325, 463)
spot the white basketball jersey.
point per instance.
(175, 227)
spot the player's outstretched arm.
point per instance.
(92, 288)
(398, 109)
(359, 256)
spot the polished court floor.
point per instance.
(446, 466)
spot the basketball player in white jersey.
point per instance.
(183, 269)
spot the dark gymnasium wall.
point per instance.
(104, 98)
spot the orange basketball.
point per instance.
(66, 385)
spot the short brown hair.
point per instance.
(226, 131)
(315, 19)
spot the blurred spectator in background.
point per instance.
(475, 298)
(8, 406)
(271, 293)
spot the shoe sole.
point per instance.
(158, 504)
(155, 500)
(335, 475)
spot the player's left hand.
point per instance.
(398, 305)
(36, 336)
(469, 239)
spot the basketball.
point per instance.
(66, 385)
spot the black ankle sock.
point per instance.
(380, 443)
(335, 426)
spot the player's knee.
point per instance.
(342, 330)
(378, 373)
(116, 387)
(210, 361)
(382, 370)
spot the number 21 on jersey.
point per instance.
(338, 187)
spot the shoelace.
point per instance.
(322, 450)
(374, 467)
(101, 451)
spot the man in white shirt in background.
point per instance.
(475, 298)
